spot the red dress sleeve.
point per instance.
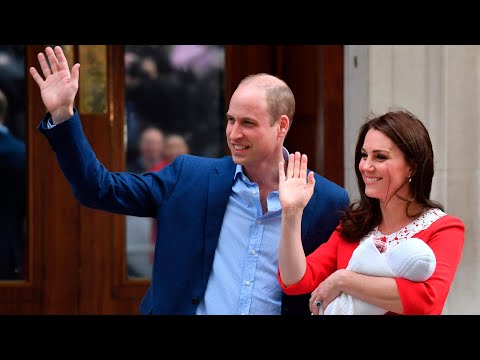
(320, 264)
(446, 238)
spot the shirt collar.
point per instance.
(239, 168)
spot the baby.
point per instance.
(411, 259)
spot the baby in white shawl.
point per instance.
(411, 259)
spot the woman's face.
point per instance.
(383, 167)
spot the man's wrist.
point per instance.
(62, 115)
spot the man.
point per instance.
(13, 191)
(151, 148)
(218, 220)
(175, 145)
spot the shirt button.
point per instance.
(254, 192)
(247, 283)
(259, 222)
(253, 252)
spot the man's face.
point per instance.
(175, 145)
(251, 137)
(151, 145)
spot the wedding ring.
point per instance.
(318, 303)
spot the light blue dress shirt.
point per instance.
(243, 280)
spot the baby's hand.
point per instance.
(381, 244)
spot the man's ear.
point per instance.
(283, 125)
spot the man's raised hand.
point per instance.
(59, 87)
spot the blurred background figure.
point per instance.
(12, 199)
(175, 144)
(138, 229)
(150, 149)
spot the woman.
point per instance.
(394, 168)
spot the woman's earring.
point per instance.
(409, 179)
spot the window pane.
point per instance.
(174, 104)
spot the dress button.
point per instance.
(195, 300)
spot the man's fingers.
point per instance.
(42, 60)
(61, 59)
(36, 76)
(52, 59)
(75, 72)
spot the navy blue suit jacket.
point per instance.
(188, 198)
(13, 190)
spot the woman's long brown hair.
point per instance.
(411, 136)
